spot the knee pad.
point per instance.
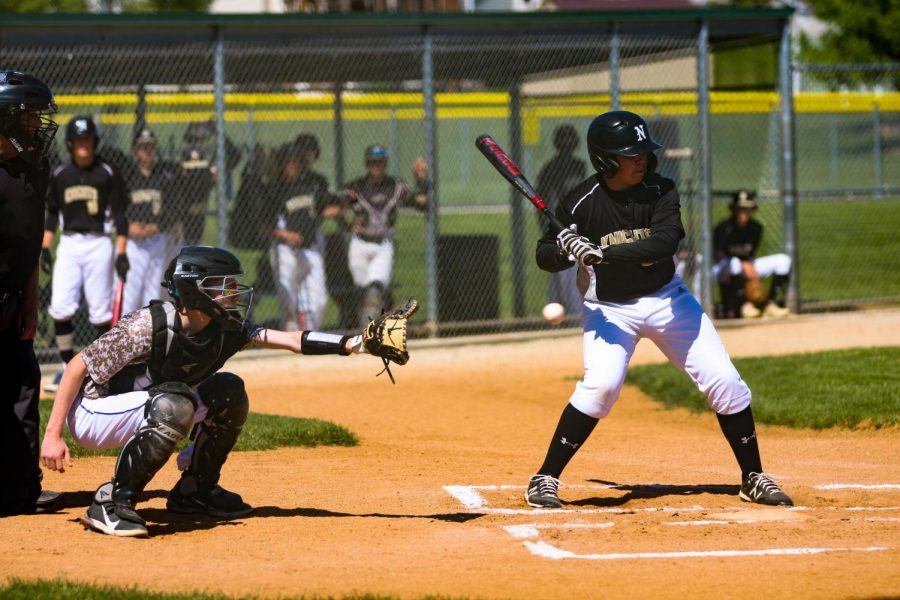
(226, 398)
(170, 410)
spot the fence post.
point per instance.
(221, 163)
(431, 216)
(789, 172)
(706, 242)
(338, 123)
(517, 221)
(614, 66)
(876, 132)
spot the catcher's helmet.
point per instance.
(25, 103)
(307, 141)
(79, 126)
(619, 133)
(205, 278)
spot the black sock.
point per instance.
(740, 431)
(65, 339)
(101, 329)
(573, 429)
(779, 289)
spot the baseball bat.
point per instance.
(513, 174)
(117, 302)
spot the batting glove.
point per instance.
(122, 266)
(578, 248)
(46, 260)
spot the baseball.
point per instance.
(554, 313)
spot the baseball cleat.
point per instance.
(749, 311)
(542, 492)
(762, 489)
(219, 502)
(103, 516)
(772, 310)
(53, 386)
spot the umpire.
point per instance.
(26, 133)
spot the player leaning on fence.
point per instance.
(625, 225)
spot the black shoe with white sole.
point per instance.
(120, 520)
(218, 502)
(542, 492)
(762, 489)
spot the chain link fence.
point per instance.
(402, 104)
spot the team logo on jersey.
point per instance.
(83, 193)
(624, 236)
(641, 134)
(148, 196)
(302, 202)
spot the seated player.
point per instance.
(738, 270)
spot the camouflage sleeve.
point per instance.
(126, 343)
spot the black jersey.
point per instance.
(82, 196)
(23, 188)
(376, 205)
(152, 198)
(300, 204)
(729, 240)
(638, 229)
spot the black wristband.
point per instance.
(315, 342)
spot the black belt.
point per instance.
(372, 239)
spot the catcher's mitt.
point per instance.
(385, 336)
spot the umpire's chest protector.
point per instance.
(176, 357)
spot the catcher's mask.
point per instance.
(619, 133)
(26, 104)
(205, 278)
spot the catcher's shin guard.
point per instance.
(169, 414)
(228, 405)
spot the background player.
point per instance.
(735, 243)
(80, 192)
(301, 199)
(153, 192)
(144, 384)
(374, 200)
(26, 134)
(560, 174)
(625, 227)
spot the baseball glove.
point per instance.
(385, 336)
(754, 290)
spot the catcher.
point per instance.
(144, 384)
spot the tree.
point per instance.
(859, 33)
(50, 6)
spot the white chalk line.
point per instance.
(545, 550)
(533, 529)
(858, 486)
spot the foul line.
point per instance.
(546, 550)
(858, 486)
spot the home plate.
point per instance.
(763, 514)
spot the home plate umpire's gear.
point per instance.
(21, 94)
(385, 336)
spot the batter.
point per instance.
(625, 225)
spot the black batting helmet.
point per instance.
(307, 141)
(79, 126)
(205, 278)
(618, 133)
(21, 94)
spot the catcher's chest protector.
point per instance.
(177, 357)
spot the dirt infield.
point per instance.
(430, 501)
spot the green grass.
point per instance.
(60, 589)
(261, 432)
(846, 388)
